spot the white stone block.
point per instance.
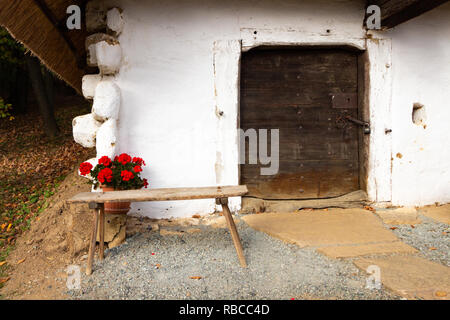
(106, 139)
(90, 45)
(106, 101)
(109, 56)
(89, 83)
(114, 20)
(85, 129)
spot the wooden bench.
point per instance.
(96, 202)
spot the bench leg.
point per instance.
(102, 231)
(92, 243)
(233, 231)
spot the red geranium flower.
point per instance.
(145, 183)
(105, 174)
(139, 161)
(126, 175)
(137, 169)
(124, 158)
(106, 161)
(85, 168)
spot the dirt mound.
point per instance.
(57, 238)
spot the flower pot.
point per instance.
(115, 207)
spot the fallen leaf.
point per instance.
(2, 263)
(157, 266)
(9, 227)
(413, 226)
(441, 294)
(196, 277)
(3, 280)
(432, 248)
(21, 260)
(369, 208)
(196, 216)
(393, 228)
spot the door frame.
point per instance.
(374, 103)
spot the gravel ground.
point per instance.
(430, 237)
(276, 270)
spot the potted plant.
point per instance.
(122, 173)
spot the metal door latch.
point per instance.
(365, 125)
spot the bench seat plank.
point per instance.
(163, 194)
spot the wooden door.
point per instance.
(307, 95)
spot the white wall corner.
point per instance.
(107, 139)
(379, 182)
(226, 67)
(107, 101)
(90, 46)
(85, 130)
(95, 15)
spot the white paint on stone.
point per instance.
(109, 57)
(114, 20)
(89, 83)
(107, 101)
(85, 129)
(107, 139)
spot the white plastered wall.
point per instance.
(179, 85)
(421, 74)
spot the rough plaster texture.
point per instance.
(108, 56)
(176, 57)
(90, 44)
(89, 83)
(85, 130)
(107, 101)
(114, 20)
